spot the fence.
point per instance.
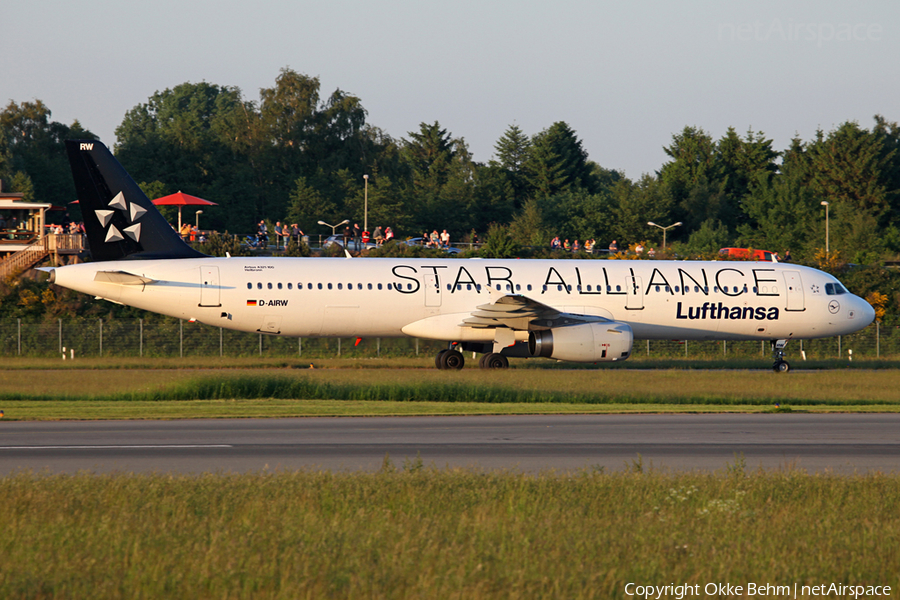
(176, 338)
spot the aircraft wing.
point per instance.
(522, 313)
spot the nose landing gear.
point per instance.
(781, 365)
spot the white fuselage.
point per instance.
(429, 298)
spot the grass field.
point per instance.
(271, 392)
(413, 532)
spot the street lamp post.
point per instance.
(825, 204)
(197, 219)
(334, 227)
(366, 208)
(664, 230)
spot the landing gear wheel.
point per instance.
(481, 360)
(451, 359)
(781, 366)
(438, 360)
(492, 360)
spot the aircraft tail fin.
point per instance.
(119, 219)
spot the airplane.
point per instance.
(588, 311)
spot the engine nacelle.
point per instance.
(606, 341)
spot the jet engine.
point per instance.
(605, 341)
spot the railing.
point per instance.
(65, 243)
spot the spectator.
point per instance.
(262, 234)
(589, 246)
(296, 233)
(379, 236)
(278, 234)
(435, 239)
(613, 247)
(576, 246)
(348, 234)
(357, 234)
(639, 249)
(651, 253)
(567, 246)
(445, 239)
(185, 231)
(787, 256)
(554, 243)
(388, 234)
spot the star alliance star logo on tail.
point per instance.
(132, 212)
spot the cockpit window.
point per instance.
(835, 289)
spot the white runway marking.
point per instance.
(115, 447)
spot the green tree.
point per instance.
(558, 162)
(33, 153)
(511, 152)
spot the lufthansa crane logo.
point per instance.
(834, 306)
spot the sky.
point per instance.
(626, 76)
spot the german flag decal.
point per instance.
(251, 302)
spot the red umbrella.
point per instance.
(181, 199)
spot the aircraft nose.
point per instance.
(866, 312)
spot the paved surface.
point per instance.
(842, 443)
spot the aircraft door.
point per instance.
(635, 298)
(794, 287)
(209, 286)
(432, 290)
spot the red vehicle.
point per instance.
(748, 254)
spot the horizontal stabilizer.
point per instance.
(122, 278)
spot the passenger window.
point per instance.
(339, 286)
(618, 288)
(469, 286)
(249, 286)
(676, 289)
(289, 286)
(528, 287)
(320, 286)
(329, 286)
(279, 286)
(477, 287)
(518, 288)
(379, 286)
(369, 286)
(309, 286)
(657, 288)
(389, 286)
(269, 285)
(258, 285)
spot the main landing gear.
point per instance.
(451, 358)
(781, 365)
(492, 360)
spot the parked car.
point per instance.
(351, 243)
(748, 254)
